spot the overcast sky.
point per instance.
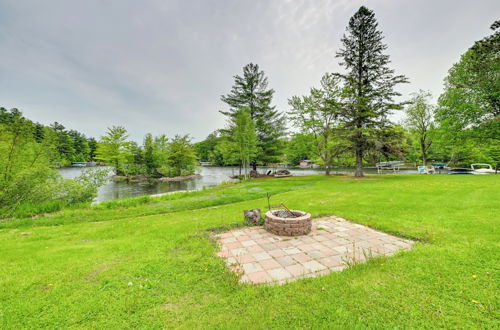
(161, 66)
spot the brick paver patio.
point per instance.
(333, 244)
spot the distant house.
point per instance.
(306, 163)
(205, 164)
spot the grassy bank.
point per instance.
(149, 262)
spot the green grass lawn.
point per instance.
(150, 262)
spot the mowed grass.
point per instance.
(151, 263)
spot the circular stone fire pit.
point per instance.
(299, 225)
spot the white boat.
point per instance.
(482, 169)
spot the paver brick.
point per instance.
(251, 267)
(301, 257)
(296, 270)
(261, 257)
(259, 277)
(279, 274)
(291, 250)
(255, 248)
(269, 264)
(286, 261)
(234, 245)
(313, 266)
(248, 243)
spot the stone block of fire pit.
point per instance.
(290, 226)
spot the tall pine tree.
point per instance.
(368, 80)
(251, 91)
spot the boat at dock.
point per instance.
(83, 164)
(481, 168)
(460, 170)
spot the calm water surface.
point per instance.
(210, 176)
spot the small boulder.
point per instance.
(254, 174)
(252, 216)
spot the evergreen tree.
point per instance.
(92, 143)
(369, 82)
(64, 144)
(38, 132)
(251, 91)
(80, 146)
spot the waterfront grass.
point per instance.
(150, 263)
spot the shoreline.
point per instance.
(141, 178)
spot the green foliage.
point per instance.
(64, 143)
(81, 149)
(65, 146)
(160, 152)
(149, 154)
(42, 190)
(114, 149)
(369, 82)
(469, 108)
(299, 147)
(245, 139)
(156, 157)
(181, 158)
(318, 115)
(420, 121)
(251, 92)
(385, 144)
(207, 151)
(92, 143)
(227, 150)
(28, 183)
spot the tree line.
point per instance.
(345, 121)
(156, 157)
(29, 183)
(66, 146)
(31, 152)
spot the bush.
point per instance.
(42, 189)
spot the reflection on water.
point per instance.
(210, 176)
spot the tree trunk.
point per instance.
(327, 159)
(254, 165)
(424, 153)
(359, 162)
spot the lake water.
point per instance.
(210, 177)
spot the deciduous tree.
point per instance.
(420, 121)
(318, 114)
(245, 138)
(114, 148)
(181, 159)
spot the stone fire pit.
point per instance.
(289, 226)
